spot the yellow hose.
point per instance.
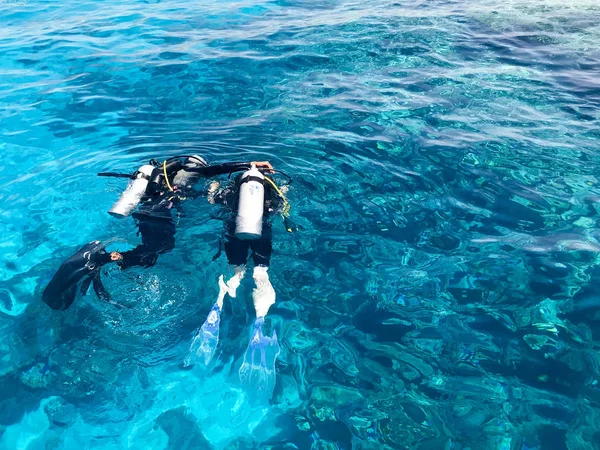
(166, 177)
(285, 210)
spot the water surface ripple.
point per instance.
(441, 292)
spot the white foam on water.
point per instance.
(30, 432)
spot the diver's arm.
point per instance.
(221, 169)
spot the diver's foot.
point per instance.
(258, 368)
(235, 281)
(223, 290)
(263, 295)
(205, 341)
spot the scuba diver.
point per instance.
(156, 190)
(249, 202)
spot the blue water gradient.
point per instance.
(441, 292)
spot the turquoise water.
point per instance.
(442, 291)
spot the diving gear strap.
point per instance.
(285, 210)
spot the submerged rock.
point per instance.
(38, 376)
(183, 430)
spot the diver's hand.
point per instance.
(265, 165)
(116, 256)
(212, 191)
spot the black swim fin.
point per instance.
(101, 291)
(99, 288)
(83, 265)
(85, 285)
(96, 282)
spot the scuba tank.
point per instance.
(132, 196)
(248, 223)
(185, 179)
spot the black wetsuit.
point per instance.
(237, 249)
(154, 220)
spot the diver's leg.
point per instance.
(206, 339)
(234, 282)
(263, 294)
(258, 367)
(237, 254)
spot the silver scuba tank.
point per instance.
(131, 197)
(186, 179)
(248, 223)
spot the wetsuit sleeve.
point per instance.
(220, 169)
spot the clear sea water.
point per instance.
(442, 291)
